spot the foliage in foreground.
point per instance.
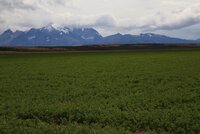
(100, 92)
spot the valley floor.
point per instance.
(100, 92)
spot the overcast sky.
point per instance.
(178, 18)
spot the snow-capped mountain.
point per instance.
(64, 36)
(50, 35)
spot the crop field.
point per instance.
(100, 92)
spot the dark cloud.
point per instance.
(187, 22)
(175, 20)
(57, 2)
(105, 21)
(182, 24)
(14, 4)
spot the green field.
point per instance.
(100, 92)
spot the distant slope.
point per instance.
(147, 38)
(64, 36)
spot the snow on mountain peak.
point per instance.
(53, 27)
(49, 28)
(64, 30)
(31, 37)
(148, 35)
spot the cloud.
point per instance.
(109, 16)
(24, 14)
(173, 20)
(14, 4)
(106, 21)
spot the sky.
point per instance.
(177, 18)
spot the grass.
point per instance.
(100, 92)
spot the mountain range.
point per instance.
(64, 36)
